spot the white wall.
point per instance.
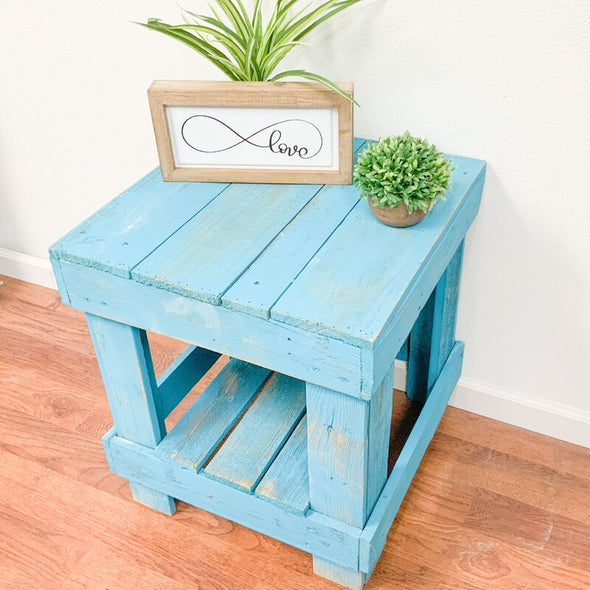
(505, 81)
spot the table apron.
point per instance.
(313, 358)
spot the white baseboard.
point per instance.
(26, 268)
(400, 376)
(539, 415)
(526, 411)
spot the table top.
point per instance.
(310, 256)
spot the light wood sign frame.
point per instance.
(268, 132)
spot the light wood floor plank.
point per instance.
(504, 438)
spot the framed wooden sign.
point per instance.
(273, 132)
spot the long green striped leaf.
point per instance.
(239, 20)
(273, 59)
(216, 22)
(316, 78)
(234, 49)
(217, 58)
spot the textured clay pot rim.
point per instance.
(396, 216)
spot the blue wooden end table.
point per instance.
(312, 299)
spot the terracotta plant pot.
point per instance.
(396, 216)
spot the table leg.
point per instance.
(348, 445)
(433, 334)
(126, 365)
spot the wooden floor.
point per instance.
(492, 506)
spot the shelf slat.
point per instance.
(286, 482)
(245, 456)
(198, 433)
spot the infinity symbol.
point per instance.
(199, 128)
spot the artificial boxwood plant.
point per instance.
(403, 169)
(246, 48)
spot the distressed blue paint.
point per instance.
(360, 276)
(357, 144)
(298, 280)
(337, 454)
(348, 444)
(286, 483)
(433, 334)
(211, 417)
(405, 313)
(419, 351)
(245, 456)
(128, 375)
(375, 531)
(276, 268)
(205, 256)
(181, 376)
(286, 349)
(106, 443)
(313, 532)
(402, 355)
(379, 428)
(445, 316)
(345, 576)
(127, 229)
(61, 284)
(145, 494)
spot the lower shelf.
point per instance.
(311, 532)
(240, 452)
(247, 430)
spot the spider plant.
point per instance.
(243, 47)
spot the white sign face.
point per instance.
(254, 137)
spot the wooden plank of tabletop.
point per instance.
(130, 226)
(205, 257)
(352, 285)
(275, 269)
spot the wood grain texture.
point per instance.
(377, 527)
(344, 278)
(251, 94)
(549, 489)
(464, 523)
(213, 414)
(433, 335)
(268, 277)
(244, 457)
(287, 482)
(126, 366)
(323, 536)
(290, 350)
(123, 232)
(127, 370)
(207, 254)
(360, 277)
(348, 443)
(347, 465)
(432, 266)
(347, 451)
